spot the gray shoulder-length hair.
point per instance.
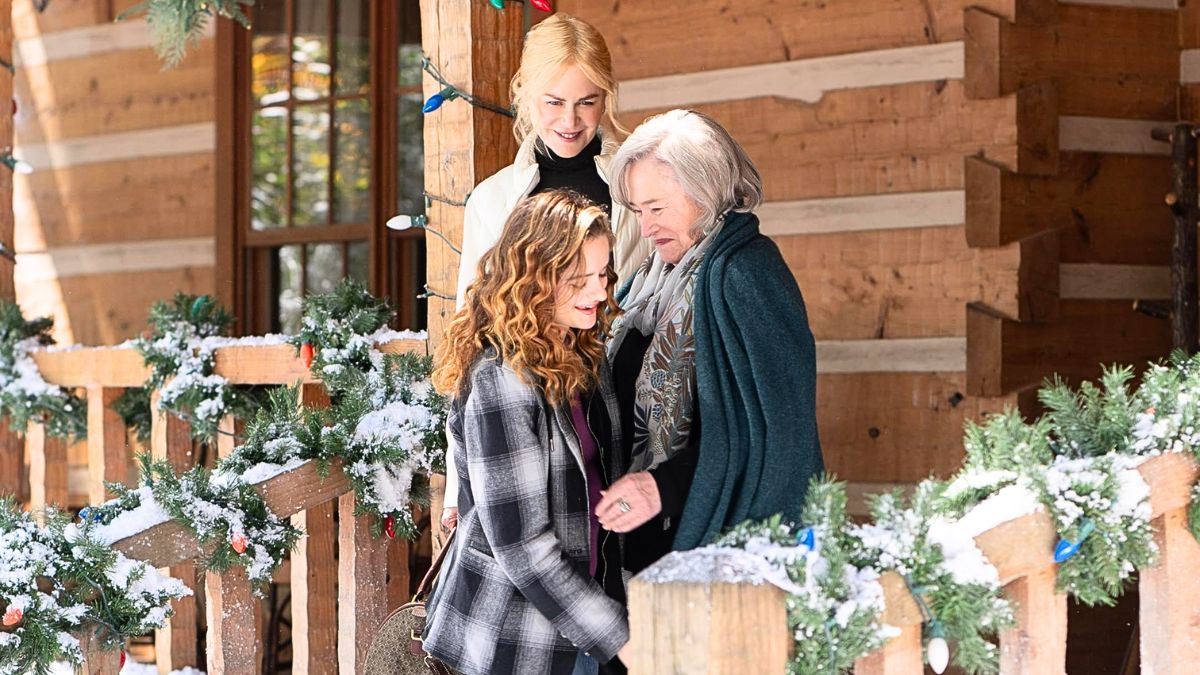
(712, 168)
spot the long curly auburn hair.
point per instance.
(510, 305)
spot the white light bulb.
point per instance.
(938, 654)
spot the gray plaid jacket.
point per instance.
(515, 595)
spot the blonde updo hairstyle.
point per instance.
(550, 48)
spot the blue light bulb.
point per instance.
(807, 537)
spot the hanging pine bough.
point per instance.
(833, 603)
(133, 405)
(178, 24)
(179, 352)
(24, 395)
(56, 583)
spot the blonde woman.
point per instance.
(531, 586)
(565, 96)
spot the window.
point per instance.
(322, 132)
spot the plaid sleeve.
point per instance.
(509, 472)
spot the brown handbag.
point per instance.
(397, 648)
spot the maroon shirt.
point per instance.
(591, 465)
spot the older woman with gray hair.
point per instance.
(713, 359)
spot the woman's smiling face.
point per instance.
(664, 211)
(566, 114)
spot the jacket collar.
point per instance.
(525, 167)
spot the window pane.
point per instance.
(357, 260)
(269, 59)
(410, 156)
(410, 66)
(268, 191)
(310, 50)
(353, 47)
(352, 173)
(290, 289)
(324, 268)
(310, 165)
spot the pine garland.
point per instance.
(178, 24)
(24, 395)
(56, 582)
(338, 327)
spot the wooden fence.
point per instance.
(339, 601)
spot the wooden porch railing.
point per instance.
(337, 604)
(720, 628)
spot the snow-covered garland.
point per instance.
(24, 394)
(56, 583)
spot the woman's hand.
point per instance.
(630, 502)
(626, 653)
(449, 518)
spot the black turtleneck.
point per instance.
(576, 173)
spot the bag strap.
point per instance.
(427, 581)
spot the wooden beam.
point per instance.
(183, 139)
(14, 479)
(1111, 135)
(1108, 208)
(1037, 644)
(1135, 74)
(901, 655)
(232, 642)
(805, 80)
(47, 467)
(63, 262)
(314, 575)
(944, 208)
(1004, 356)
(61, 16)
(90, 41)
(706, 623)
(898, 355)
(1111, 282)
(109, 455)
(1169, 599)
(362, 586)
(98, 659)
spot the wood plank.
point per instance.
(805, 80)
(718, 627)
(1111, 135)
(14, 478)
(915, 282)
(161, 198)
(945, 208)
(903, 138)
(7, 219)
(901, 655)
(1005, 356)
(61, 15)
(1037, 644)
(107, 308)
(97, 658)
(1135, 74)
(62, 262)
(662, 38)
(314, 575)
(47, 467)
(121, 91)
(1124, 282)
(1165, 5)
(183, 139)
(1169, 599)
(479, 48)
(362, 586)
(88, 41)
(898, 427)
(109, 456)
(897, 355)
(232, 641)
(1108, 208)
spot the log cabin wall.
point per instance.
(966, 190)
(119, 210)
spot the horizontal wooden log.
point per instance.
(899, 355)
(943, 208)
(107, 308)
(1107, 208)
(109, 258)
(1005, 356)
(1125, 282)
(88, 41)
(62, 15)
(80, 95)
(898, 427)
(1111, 135)
(903, 138)
(805, 80)
(912, 282)
(1134, 75)
(183, 139)
(663, 38)
(161, 198)
(170, 542)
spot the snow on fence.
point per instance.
(706, 624)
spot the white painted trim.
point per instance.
(1170, 5)
(1189, 66)
(1111, 135)
(804, 79)
(184, 139)
(871, 212)
(1113, 282)
(88, 41)
(900, 355)
(62, 262)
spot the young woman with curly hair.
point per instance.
(532, 585)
